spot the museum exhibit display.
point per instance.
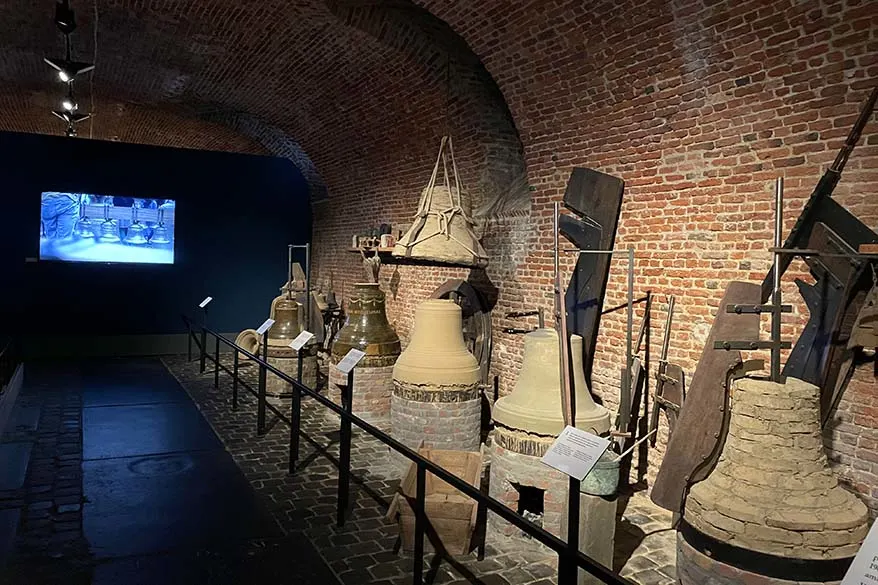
(436, 401)
(771, 506)
(285, 329)
(82, 227)
(366, 328)
(443, 228)
(451, 516)
(589, 345)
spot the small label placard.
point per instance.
(575, 452)
(864, 569)
(350, 360)
(300, 341)
(205, 302)
(265, 326)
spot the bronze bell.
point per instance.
(286, 320)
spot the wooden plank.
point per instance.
(598, 197)
(695, 444)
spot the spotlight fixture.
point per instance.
(71, 117)
(70, 132)
(64, 17)
(68, 105)
(68, 70)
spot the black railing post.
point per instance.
(568, 569)
(296, 416)
(420, 524)
(344, 448)
(216, 364)
(203, 348)
(235, 380)
(260, 399)
(189, 335)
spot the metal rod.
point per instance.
(626, 390)
(296, 417)
(605, 252)
(776, 293)
(290, 272)
(235, 381)
(188, 341)
(216, 364)
(203, 349)
(344, 452)
(568, 570)
(420, 525)
(260, 399)
(308, 286)
(492, 504)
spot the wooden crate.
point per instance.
(451, 516)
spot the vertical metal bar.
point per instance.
(344, 455)
(189, 335)
(308, 286)
(626, 390)
(235, 381)
(216, 364)
(295, 418)
(568, 569)
(776, 294)
(290, 271)
(420, 524)
(260, 406)
(203, 348)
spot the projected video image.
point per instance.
(81, 227)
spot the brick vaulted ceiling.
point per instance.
(325, 82)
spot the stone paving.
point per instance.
(49, 540)
(365, 549)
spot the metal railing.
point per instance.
(9, 360)
(569, 557)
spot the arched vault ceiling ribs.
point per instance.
(361, 89)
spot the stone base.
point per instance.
(372, 389)
(510, 471)
(695, 568)
(452, 426)
(290, 366)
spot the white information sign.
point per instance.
(205, 302)
(265, 326)
(575, 452)
(300, 341)
(349, 361)
(864, 569)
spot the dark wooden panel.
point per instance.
(699, 433)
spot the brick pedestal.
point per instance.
(517, 479)
(372, 388)
(449, 420)
(286, 360)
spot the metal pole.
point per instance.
(568, 570)
(216, 364)
(776, 294)
(203, 355)
(344, 455)
(260, 407)
(420, 524)
(235, 381)
(295, 418)
(290, 271)
(188, 341)
(308, 286)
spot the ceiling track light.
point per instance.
(69, 70)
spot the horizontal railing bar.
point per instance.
(556, 544)
(250, 389)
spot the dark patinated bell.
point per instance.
(865, 331)
(286, 320)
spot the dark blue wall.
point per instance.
(235, 216)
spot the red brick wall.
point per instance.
(698, 107)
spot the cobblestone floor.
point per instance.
(365, 549)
